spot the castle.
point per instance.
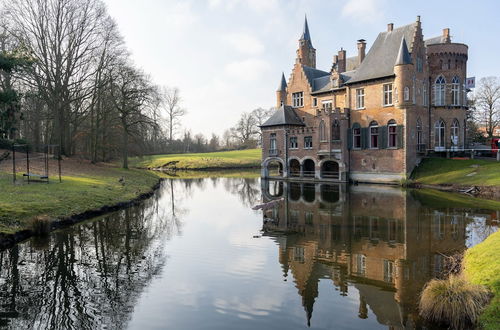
(373, 116)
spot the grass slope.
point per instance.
(459, 172)
(224, 159)
(441, 199)
(482, 266)
(76, 194)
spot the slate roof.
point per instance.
(285, 115)
(435, 40)
(352, 63)
(305, 34)
(379, 62)
(312, 74)
(282, 86)
(403, 54)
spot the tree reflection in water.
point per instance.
(381, 242)
(88, 276)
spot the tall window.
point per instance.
(360, 98)
(374, 135)
(361, 264)
(392, 134)
(293, 142)
(424, 94)
(336, 130)
(388, 270)
(440, 91)
(420, 66)
(298, 99)
(419, 135)
(406, 94)
(356, 136)
(308, 142)
(387, 94)
(327, 105)
(455, 91)
(454, 132)
(439, 128)
(272, 142)
(322, 131)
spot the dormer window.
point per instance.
(298, 99)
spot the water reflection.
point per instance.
(381, 242)
(88, 276)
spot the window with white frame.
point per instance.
(388, 271)
(298, 99)
(308, 142)
(361, 264)
(360, 98)
(315, 102)
(327, 105)
(294, 142)
(406, 93)
(439, 132)
(455, 91)
(387, 95)
(392, 134)
(272, 142)
(454, 132)
(374, 135)
(440, 91)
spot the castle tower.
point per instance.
(403, 70)
(281, 92)
(306, 54)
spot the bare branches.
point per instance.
(487, 103)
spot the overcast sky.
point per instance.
(226, 56)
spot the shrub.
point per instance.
(453, 301)
(40, 225)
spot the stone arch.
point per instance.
(329, 193)
(330, 169)
(294, 167)
(308, 168)
(272, 167)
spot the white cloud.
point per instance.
(245, 43)
(249, 70)
(257, 5)
(180, 15)
(364, 10)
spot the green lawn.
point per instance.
(482, 266)
(443, 199)
(460, 172)
(76, 194)
(212, 160)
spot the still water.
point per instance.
(197, 256)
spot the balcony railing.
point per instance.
(330, 175)
(308, 174)
(273, 152)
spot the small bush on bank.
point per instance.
(40, 225)
(454, 301)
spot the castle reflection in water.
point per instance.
(382, 242)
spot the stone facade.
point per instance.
(372, 116)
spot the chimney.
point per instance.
(390, 27)
(341, 66)
(446, 35)
(361, 50)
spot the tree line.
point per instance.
(484, 109)
(67, 78)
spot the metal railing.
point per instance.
(330, 175)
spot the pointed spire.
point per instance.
(403, 54)
(305, 34)
(282, 86)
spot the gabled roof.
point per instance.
(285, 115)
(312, 74)
(435, 40)
(379, 62)
(282, 86)
(403, 54)
(305, 34)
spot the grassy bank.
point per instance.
(92, 188)
(482, 266)
(442, 199)
(212, 160)
(458, 172)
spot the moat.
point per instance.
(201, 255)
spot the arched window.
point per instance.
(322, 131)
(336, 130)
(440, 91)
(455, 91)
(439, 128)
(406, 94)
(392, 134)
(374, 135)
(454, 133)
(356, 136)
(424, 93)
(420, 144)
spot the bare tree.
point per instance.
(174, 111)
(246, 130)
(487, 103)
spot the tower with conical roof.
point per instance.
(281, 92)
(403, 69)
(306, 54)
